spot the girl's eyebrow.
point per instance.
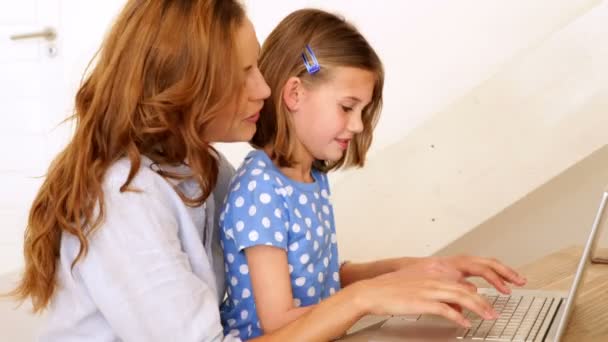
(356, 100)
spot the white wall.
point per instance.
(556, 215)
(25, 68)
(537, 115)
(45, 100)
(434, 51)
(83, 26)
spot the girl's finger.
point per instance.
(506, 272)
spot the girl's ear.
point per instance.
(292, 93)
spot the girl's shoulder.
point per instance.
(256, 170)
(322, 180)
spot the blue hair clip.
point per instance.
(312, 64)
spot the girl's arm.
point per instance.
(353, 272)
(457, 268)
(269, 272)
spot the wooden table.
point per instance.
(589, 320)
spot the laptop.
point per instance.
(525, 315)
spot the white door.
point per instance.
(30, 79)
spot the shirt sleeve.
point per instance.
(140, 278)
(255, 213)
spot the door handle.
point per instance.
(48, 34)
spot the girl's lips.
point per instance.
(343, 143)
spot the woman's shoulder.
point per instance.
(147, 188)
(144, 175)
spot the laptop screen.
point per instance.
(590, 247)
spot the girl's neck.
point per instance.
(301, 170)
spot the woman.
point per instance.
(122, 240)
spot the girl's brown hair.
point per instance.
(335, 43)
(165, 69)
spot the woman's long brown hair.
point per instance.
(165, 69)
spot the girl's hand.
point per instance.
(458, 268)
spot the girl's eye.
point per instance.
(347, 109)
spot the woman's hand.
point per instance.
(398, 293)
(395, 293)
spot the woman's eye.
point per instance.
(347, 109)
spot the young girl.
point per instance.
(278, 224)
(278, 230)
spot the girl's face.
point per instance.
(238, 121)
(327, 116)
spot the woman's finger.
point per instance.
(445, 310)
(505, 271)
(455, 307)
(470, 286)
(455, 293)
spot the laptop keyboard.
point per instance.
(520, 319)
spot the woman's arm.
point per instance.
(323, 322)
(390, 294)
(138, 275)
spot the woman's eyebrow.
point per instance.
(356, 99)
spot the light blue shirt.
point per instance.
(154, 268)
(264, 207)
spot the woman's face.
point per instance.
(238, 122)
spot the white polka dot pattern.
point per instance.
(265, 208)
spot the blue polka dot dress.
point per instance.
(264, 207)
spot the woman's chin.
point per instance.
(244, 134)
